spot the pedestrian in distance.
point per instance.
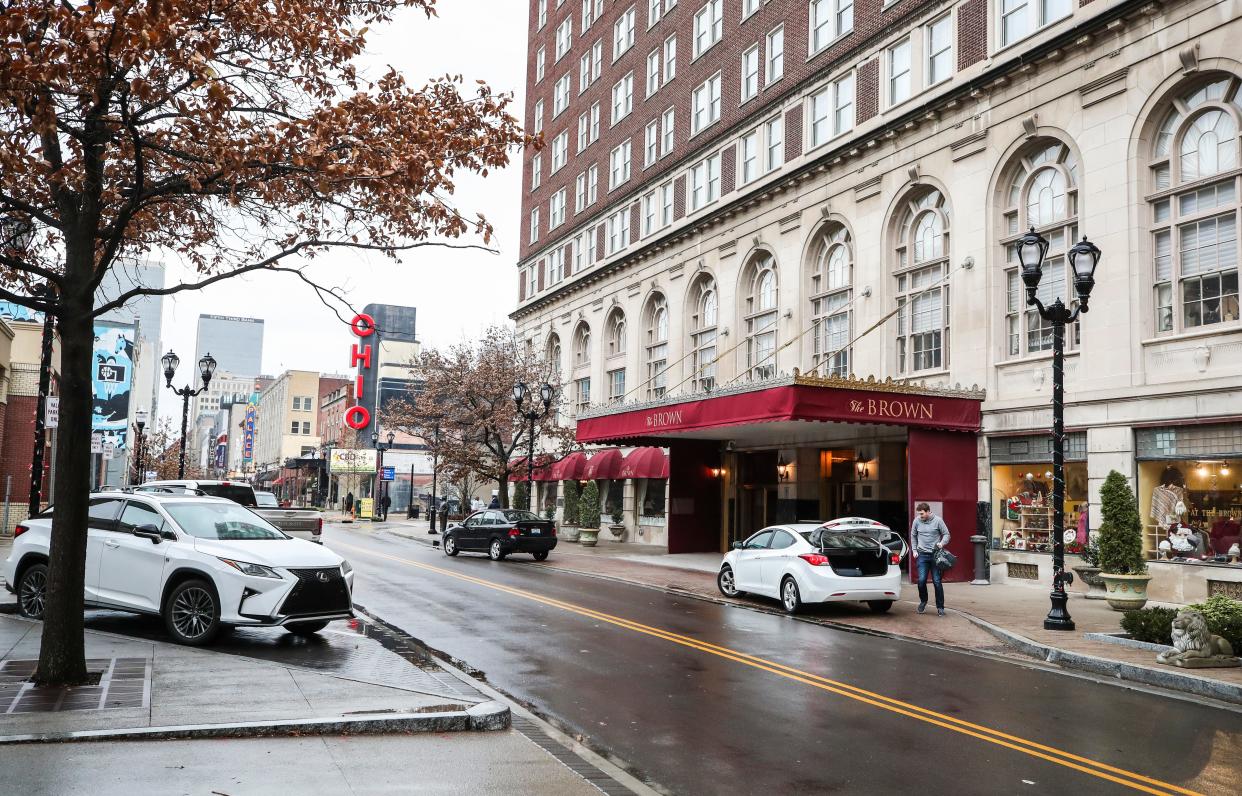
(928, 534)
(349, 503)
(384, 504)
(495, 504)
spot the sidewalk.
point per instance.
(996, 619)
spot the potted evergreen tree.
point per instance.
(618, 523)
(1122, 565)
(569, 514)
(1089, 571)
(588, 515)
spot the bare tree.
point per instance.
(238, 137)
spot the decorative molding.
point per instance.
(968, 145)
(1103, 87)
(727, 250)
(1189, 56)
(791, 222)
(867, 189)
(915, 173)
(1030, 125)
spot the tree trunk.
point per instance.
(62, 656)
(504, 491)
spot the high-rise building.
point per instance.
(773, 237)
(235, 343)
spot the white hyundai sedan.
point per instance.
(804, 563)
(201, 563)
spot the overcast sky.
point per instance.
(457, 293)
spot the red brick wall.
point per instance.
(728, 169)
(972, 32)
(870, 23)
(793, 133)
(867, 95)
(18, 446)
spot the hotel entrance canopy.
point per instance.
(788, 403)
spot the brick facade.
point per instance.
(972, 32)
(868, 102)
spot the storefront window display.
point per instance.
(652, 497)
(1022, 492)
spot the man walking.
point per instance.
(927, 535)
(384, 504)
(349, 502)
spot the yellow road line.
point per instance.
(1061, 757)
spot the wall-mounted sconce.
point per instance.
(782, 469)
(716, 472)
(860, 466)
(1224, 469)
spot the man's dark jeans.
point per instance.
(927, 564)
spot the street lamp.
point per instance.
(1083, 258)
(140, 423)
(379, 469)
(206, 368)
(521, 393)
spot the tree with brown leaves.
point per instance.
(161, 454)
(463, 408)
(234, 136)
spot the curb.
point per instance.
(1172, 680)
(485, 717)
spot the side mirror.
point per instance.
(169, 534)
(738, 546)
(150, 532)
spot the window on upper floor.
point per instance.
(556, 265)
(552, 353)
(616, 385)
(666, 204)
(556, 209)
(655, 11)
(832, 110)
(749, 7)
(617, 231)
(670, 58)
(668, 122)
(761, 150)
(708, 25)
(831, 282)
(759, 313)
(622, 98)
(706, 103)
(540, 58)
(582, 346)
(538, 128)
(560, 95)
(623, 33)
(651, 142)
(536, 172)
(750, 73)
(619, 165)
(653, 71)
(560, 151)
(614, 334)
(1194, 205)
(921, 267)
(534, 225)
(776, 55)
(1020, 18)
(829, 20)
(591, 11)
(1040, 192)
(541, 14)
(702, 308)
(655, 338)
(939, 49)
(582, 395)
(704, 182)
(564, 38)
(898, 63)
(584, 130)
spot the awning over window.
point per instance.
(543, 471)
(644, 463)
(570, 468)
(603, 464)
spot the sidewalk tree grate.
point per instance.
(122, 683)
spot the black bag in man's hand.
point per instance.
(944, 560)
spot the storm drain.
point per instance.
(122, 683)
(567, 758)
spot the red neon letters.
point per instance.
(363, 325)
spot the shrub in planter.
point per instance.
(1153, 625)
(1121, 540)
(588, 506)
(521, 490)
(569, 515)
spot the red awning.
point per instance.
(644, 463)
(570, 468)
(603, 464)
(543, 471)
(795, 402)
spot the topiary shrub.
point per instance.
(1224, 618)
(521, 491)
(1153, 625)
(569, 516)
(588, 506)
(1121, 537)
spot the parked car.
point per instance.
(876, 530)
(804, 563)
(499, 532)
(303, 523)
(201, 563)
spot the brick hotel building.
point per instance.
(774, 238)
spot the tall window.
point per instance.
(939, 50)
(656, 340)
(922, 262)
(830, 19)
(560, 95)
(564, 37)
(831, 274)
(1041, 192)
(619, 165)
(706, 104)
(1020, 17)
(776, 55)
(759, 315)
(582, 394)
(750, 73)
(582, 346)
(703, 311)
(553, 354)
(556, 209)
(616, 385)
(623, 98)
(623, 33)
(899, 72)
(614, 337)
(704, 182)
(1195, 206)
(708, 25)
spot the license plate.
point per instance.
(535, 531)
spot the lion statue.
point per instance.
(1194, 646)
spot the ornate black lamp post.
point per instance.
(140, 423)
(1083, 258)
(520, 395)
(380, 488)
(206, 368)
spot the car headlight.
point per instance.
(345, 568)
(257, 570)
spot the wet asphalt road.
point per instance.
(699, 721)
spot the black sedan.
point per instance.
(499, 532)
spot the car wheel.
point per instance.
(192, 613)
(726, 583)
(450, 545)
(541, 555)
(879, 606)
(306, 628)
(32, 591)
(790, 598)
(496, 552)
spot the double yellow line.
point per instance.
(1060, 757)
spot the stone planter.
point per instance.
(568, 533)
(1091, 577)
(1125, 592)
(588, 537)
(618, 530)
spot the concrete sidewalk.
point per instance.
(997, 619)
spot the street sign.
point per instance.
(388, 474)
(51, 413)
(97, 443)
(109, 451)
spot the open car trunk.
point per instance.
(853, 555)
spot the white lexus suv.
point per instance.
(201, 563)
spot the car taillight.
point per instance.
(815, 559)
(514, 533)
(19, 530)
(896, 559)
(319, 529)
(554, 530)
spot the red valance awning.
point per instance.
(603, 464)
(570, 468)
(543, 470)
(644, 463)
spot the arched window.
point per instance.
(703, 310)
(615, 333)
(614, 351)
(831, 274)
(759, 317)
(552, 352)
(921, 265)
(1040, 191)
(656, 348)
(582, 345)
(1194, 207)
